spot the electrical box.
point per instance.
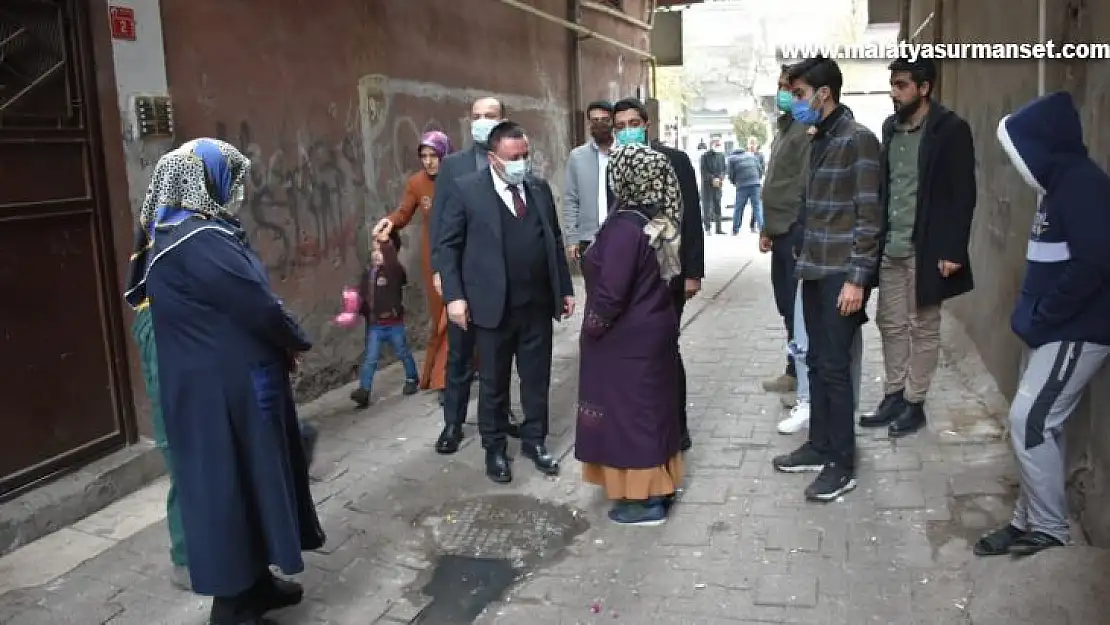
(153, 116)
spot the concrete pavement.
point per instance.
(741, 547)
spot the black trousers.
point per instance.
(678, 296)
(832, 424)
(526, 335)
(785, 286)
(458, 375)
(711, 207)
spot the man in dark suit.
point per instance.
(485, 113)
(503, 268)
(630, 113)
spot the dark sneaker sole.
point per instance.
(831, 496)
(1022, 551)
(864, 423)
(984, 552)
(650, 523)
(798, 468)
(893, 433)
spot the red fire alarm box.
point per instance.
(123, 22)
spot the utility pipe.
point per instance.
(610, 11)
(580, 29)
(574, 73)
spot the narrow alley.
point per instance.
(741, 547)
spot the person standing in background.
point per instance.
(782, 192)
(586, 195)
(713, 172)
(630, 118)
(745, 172)
(929, 197)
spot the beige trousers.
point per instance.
(911, 336)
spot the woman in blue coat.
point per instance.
(225, 348)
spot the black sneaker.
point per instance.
(804, 459)
(1033, 542)
(832, 482)
(411, 387)
(998, 542)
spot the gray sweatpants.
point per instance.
(1052, 382)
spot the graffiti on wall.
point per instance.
(302, 197)
(312, 194)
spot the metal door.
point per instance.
(59, 324)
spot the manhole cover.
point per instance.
(516, 528)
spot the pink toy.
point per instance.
(349, 316)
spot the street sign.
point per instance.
(123, 22)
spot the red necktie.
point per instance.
(518, 201)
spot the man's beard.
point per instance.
(906, 111)
(602, 136)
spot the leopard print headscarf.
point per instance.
(641, 176)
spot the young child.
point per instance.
(381, 291)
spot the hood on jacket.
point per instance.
(1041, 136)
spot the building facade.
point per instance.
(328, 100)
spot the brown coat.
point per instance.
(418, 194)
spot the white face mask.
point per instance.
(514, 172)
(480, 129)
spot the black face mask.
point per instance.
(906, 111)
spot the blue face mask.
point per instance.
(480, 129)
(804, 112)
(627, 136)
(785, 101)
(514, 172)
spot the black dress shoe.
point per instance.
(513, 429)
(498, 467)
(449, 439)
(544, 461)
(909, 420)
(237, 610)
(272, 593)
(887, 411)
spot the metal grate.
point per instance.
(33, 77)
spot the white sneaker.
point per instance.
(798, 419)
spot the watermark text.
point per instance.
(1048, 50)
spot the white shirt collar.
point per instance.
(500, 185)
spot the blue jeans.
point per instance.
(394, 334)
(745, 194)
(800, 344)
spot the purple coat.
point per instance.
(628, 403)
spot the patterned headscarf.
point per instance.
(438, 141)
(640, 176)
(203, 177)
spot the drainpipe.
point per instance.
(614, 13)
(1042, 35)
(574, 73)
(580, 29)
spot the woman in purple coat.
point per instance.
(628, 430)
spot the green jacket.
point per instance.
(782, 187)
